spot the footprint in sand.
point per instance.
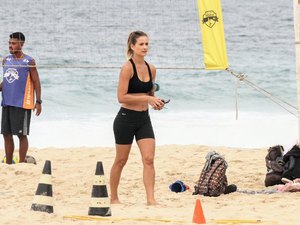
(20, 172)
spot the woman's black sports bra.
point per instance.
(138, 86)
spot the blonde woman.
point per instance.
(133, 120)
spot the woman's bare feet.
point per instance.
(116, 201)
(152, 202)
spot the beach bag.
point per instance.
(291, 169)
(212, 180)
(274, 164)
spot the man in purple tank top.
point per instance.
(20, 86)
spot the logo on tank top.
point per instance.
(11, 75)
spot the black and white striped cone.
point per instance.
(100, 203)
(43, 196)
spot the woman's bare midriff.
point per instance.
(136, 106)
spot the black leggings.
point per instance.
(129, 123)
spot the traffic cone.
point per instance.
(100, 203)
(43, 196)
(198, 217)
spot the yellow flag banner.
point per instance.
(213, 38)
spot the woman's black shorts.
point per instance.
(129, 123)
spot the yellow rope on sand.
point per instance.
(158, 220)
(236, 221)
(121, 219)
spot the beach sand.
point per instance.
(73, 172)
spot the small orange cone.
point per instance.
(198, 217)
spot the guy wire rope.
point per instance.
(241, 77)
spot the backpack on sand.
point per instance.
(213, 180)
(291, 169)
(274, 164)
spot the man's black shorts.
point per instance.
(15, 120)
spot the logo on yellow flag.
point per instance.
(210, 18)
(213, 38)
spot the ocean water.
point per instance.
(80, 45)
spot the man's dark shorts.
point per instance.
(15, 120)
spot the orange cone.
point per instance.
(198, 217)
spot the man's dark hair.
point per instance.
(18, 35)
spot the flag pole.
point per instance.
(297, 48)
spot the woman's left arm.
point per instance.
(153, 72)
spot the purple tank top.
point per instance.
(17, 87)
